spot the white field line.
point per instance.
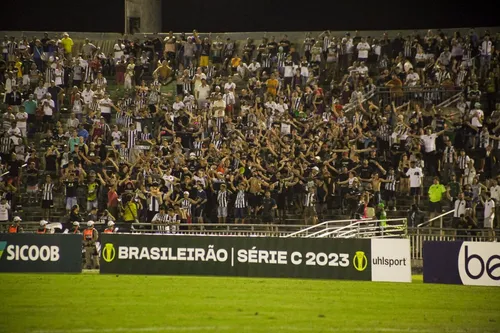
(253, 329)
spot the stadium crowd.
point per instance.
(347, 122)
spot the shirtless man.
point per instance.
(376, 181)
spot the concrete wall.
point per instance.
(149, 11)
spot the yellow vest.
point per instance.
(130, 211)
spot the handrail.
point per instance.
(389, 229)
(349, 106)
(355, 222)
(357, 225)
(450, 100)
(317, 225)
(435, 218)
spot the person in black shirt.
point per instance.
(32, 182)
(267, 208)
(365, 171)
(70, 181)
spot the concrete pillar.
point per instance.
(149, 13)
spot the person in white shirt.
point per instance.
(412, 79)
(229, 84)
(15, 134)
(363, 47)
(415, 173)
(87, 95)
(469, 173)
(362, 69)
(105, 105)
(119, 48)
(22, 119)
(485, 48)
(202, 93)
(230, 100)
(48, 107)
(40, 91)
(281, 107)
(495, 195)
(476, 117)
(489, 214)
(218, 108)
(178, 104)
(430, 159)
(253, 68)
(4, 210)
(459, 209)
(72, 122)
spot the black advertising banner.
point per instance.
(236, 256)
(41, 253)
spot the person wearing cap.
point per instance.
(90, 236)
(67, 43)
(43, 228)
(186, 208)
(15, 227)
(76, 227)
(111, 228)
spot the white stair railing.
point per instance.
(319, 228)
(366, 228)
(439, 217)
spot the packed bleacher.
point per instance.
(190, 128)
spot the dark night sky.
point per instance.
(257, 15)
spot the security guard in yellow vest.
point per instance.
(90, 235)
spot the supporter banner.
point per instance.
(40, 253)
(469, 263)
(391, 260)
(236, 256)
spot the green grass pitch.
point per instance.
(87, 303)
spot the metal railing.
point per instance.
(418, 237)
(422, 94)
(367, 229)
(352, 106)
(439, 217)
(320, 227)
(453, 99)
(216, 229)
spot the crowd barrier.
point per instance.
(351, 259)
(33, 253)
(461, 262)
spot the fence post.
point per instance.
(441, 232)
